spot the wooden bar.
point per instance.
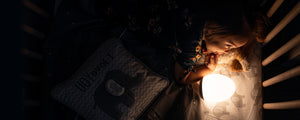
(35, 8)
(286, 47)
(32, 54)
(274, 7)
(283, 76)
(30, 77)
(294, 52)
(33, 31)
(287, 19)
(294, 104)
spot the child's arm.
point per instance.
(200, 71)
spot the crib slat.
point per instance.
(274, 7)
(288, 18)
(30, 77)
(294, 104)
(288, 46)
(35, 8)
(32, 54)
(283, 76)
(33, 31)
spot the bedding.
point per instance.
(246, 102)
(98, 90)
(111, 84)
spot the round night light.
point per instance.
(217, 88)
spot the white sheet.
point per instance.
(246, 103)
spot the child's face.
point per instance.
(222, 44)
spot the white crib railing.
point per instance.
(287, 19)
(294, 104)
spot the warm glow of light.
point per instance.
(216, 88)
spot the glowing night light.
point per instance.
(216, 88)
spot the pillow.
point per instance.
(111, 84)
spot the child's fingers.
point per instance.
(206, 61)
(216, 58)
(212, 59)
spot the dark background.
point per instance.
(11, 61)
(31, 65)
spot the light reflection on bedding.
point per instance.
(246, 102)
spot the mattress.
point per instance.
(244, 104)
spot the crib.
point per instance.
(272, 81)
(268, 90)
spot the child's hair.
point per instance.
(238, 18)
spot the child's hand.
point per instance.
(211, 61)
(201, 70)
